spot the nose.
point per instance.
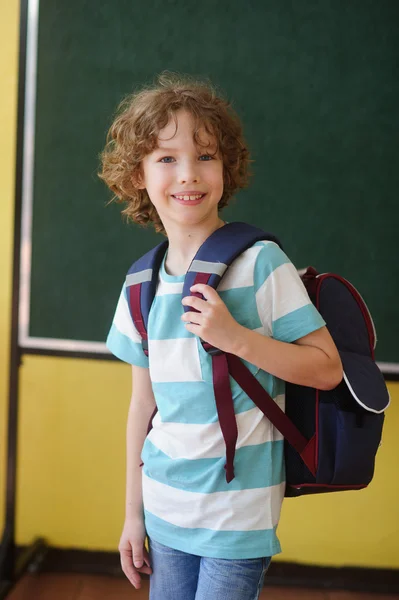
(188, 172)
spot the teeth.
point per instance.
(196, 197)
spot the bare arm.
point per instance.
(142, 405)
(312, 360)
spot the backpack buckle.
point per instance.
(144, 345)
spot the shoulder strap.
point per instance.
(141, 284)
(218, 252)
(209, 265)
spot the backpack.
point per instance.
(330, 437)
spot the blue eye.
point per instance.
(165, 161)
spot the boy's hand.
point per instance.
(132, 550)
(213, 323)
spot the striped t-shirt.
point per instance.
(188, 505)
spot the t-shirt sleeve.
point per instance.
(283, 304)
(123, 339)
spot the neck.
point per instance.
(183, 245)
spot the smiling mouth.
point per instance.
(189, 198)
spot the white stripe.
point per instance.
(168, 287)
(194, 441)
(241, 271)
(220, 511)
(259, 330)
(174, 360)
(123, 320)
(281, 293)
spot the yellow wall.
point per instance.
(8, 95)
(72, 428)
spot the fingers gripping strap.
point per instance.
(199, 278)
(203, 278)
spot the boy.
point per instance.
(176, 155)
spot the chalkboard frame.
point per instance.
(24, 197)
(27, 342)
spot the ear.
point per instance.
(140, 186)
(137, 181)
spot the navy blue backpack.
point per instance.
(331, 437)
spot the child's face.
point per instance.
(176, 167)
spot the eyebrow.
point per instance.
(211, 148)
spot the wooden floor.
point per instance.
(49, 586)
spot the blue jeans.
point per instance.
(177, 575)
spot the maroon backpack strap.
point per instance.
(134, 295)
(224, 364)
(225, 409)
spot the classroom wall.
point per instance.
(71, 458)
(9, 14)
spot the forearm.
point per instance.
(136, 432)
(300, 364)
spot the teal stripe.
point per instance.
(164, 321)
(255, 466)
(268, 260)
(188, 402)
(123, 347)
(297, 324)
(241, 303)
(211, 543)
(194, 401)
(279, 387)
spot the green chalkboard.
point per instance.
(316, 85)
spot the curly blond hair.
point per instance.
(134, 134)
